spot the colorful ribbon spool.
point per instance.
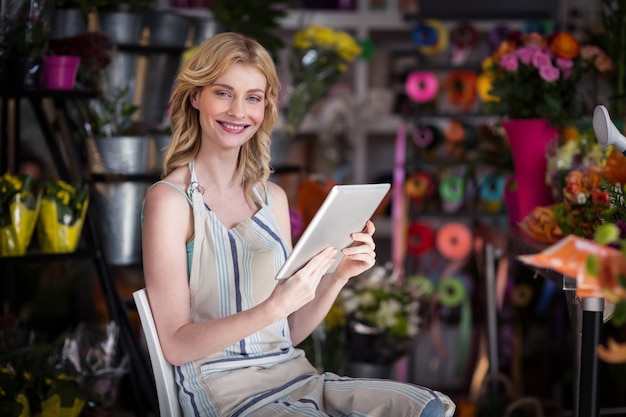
(452, 192)
(419, 185)
(460, 87)
(454, 241)
(541, 26)
(454, 131)
(422, 284)
(424, 35)
(421, 86)
(426, 137)
(463, 38)
(491, 192)
(421, 239)
(443, 38)
(452, 292)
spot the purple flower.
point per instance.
(509, 62)
(549, 73)
(622, 228)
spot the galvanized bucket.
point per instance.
(119, 155)
(118, 204)
(67, 23)
(205, 28)
(166, 29)
(121, 28)
(118, 224)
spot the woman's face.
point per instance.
(233, 107)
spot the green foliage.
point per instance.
(255, 18)
(108, 115)
(619, 314)
(10, 186)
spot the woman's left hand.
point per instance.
(359, 256)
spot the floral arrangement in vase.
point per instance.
(319, 57)
(19, 208)
(62, 215)
(534, 76)
(382, 316)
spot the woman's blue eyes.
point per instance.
(226, 94)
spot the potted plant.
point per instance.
(257, 19)
(93, 50)
(115, 145)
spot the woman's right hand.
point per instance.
(296, 291)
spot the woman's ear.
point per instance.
(193, 99)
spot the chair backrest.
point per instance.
(167, 390)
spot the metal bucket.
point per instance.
(121, 73)
(161, 71)
(121, 27)
(167, 29)
(67, 23)
(118, 204)
(206, 27)
(119, 155)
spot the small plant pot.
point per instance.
(60, 72)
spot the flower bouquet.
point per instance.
(533, 76)
(19, 208)
(63, 211)
(319, 57)
(579, 153)
(382, 317)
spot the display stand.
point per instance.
(586, 313)
(144, 394)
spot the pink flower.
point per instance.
(509, 62)
(526, 54)
(549, 73)
(565, 65)
(541, 59)
(588, 52)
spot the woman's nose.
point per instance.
(237, 109)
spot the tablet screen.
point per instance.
(345, 210)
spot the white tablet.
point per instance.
(345, 210)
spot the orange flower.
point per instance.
(565, 45)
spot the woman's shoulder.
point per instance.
(171, 186)
(276, 193)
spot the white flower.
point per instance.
(581, 198)
(386, 314)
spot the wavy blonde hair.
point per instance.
(214, 56)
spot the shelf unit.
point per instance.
(68, 166)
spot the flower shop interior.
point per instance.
(500, 272)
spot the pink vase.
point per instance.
(528, 139)
(59, 72)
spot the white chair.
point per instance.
(167, 390)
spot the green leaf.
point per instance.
(619, 314)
